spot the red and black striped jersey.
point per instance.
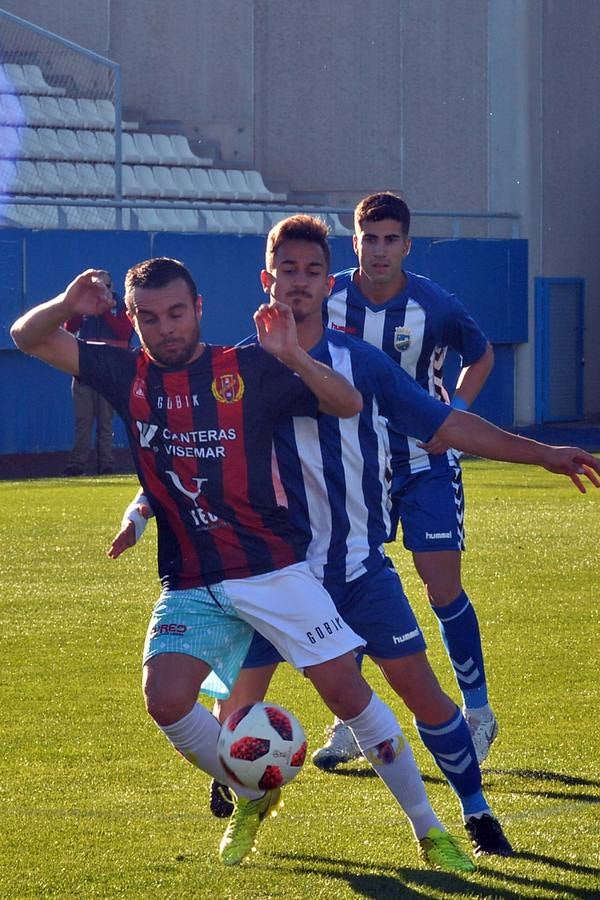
(201, 438)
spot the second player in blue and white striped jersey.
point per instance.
(336, 472)
(415, 329)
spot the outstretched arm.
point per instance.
(470, 433)
(277, 335)
(39, 331)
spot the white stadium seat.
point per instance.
(202, 183)
(48, 138)
(167, 154)
(87, 178)
(222, 190)
(12, 110)
(261, 191)
(131, 186)
(69, 144)
(238, 184)
(11, 142)
(183, 180)
(90, 114)
(105, 174)
(90, 148)
(50, 110)
(165, 182)
(39, 85)
(30, 216)
(8, 176)
(49, 177)
(129, 151)
(146, 150)
(29, 144)
(71, 113)
(67, 174)
(28, 178)
(106, 142)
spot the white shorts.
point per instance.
(289, 607)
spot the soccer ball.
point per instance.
(261, 746)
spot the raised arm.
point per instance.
(472, 434)
(39, 331)
(277, 335)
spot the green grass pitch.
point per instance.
(95, 804)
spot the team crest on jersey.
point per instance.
(228, 388)
(401, 338)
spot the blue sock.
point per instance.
(460, 633)
(451, 746)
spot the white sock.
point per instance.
(380, 738)
(195, 737)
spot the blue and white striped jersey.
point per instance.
(336, 471)
(415, 329)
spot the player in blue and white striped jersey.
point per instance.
(414, 321)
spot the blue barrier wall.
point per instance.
(490, 277)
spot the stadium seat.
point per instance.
(27, 79)
(106, 142)
(145, 220)
(49, 177)
(69, 144)
(222, 190)
(12, 110)
(33, 113)
(247, 222)
(131, 185)
(8, 176)
(71, 113)
(90, 114)
(129, 151)
(259, 188)
(165, 150)
(164, 180)
(91, 151)
(29, 145)
(89, 218)
(89, 183)
(238, 184)
(30, 216)
(105, 174)
(202, 183)
(186, 155)
(145, 148)
(35, 77)
(11, 142)
(50, 111)
(67, 174)
(28, 179)
(48, 138)
(183, 180)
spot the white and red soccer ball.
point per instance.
(261, 746)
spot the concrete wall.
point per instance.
(462, 104)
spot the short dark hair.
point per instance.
(383, 205)
(157, 273)
(298, 228)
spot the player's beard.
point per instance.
(181, 351)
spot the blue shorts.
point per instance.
(430, 506)
(375, 607)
